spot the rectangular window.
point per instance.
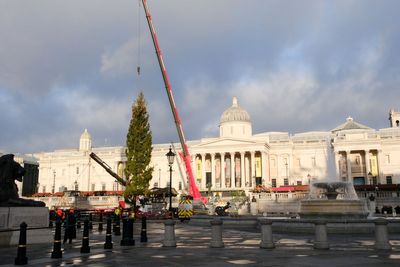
(44, 189)
(180, 186)
(388, 179)
(273, 182)
(76, 186)
(155, 184)
(93, 188)
(286, 181)
(103, 187)
(77, 170)
(299, 183)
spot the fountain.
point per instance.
(332, 199)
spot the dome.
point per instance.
(85, 142)
(235, 113)
(85, 135)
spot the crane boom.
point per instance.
(193, 190)
(107, 168)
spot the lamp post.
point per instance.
(309, 178)
(54, 182)
(287, 173)
(170, 156)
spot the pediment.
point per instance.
(226, 142)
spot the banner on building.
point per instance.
(258, 166)
(374, 165)
(198, 170)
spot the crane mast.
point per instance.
(193, 190)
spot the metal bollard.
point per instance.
(101, 223)
(321, 237)
(169, 234)
(85, 239)
(117, 226)
(216, 233)
(108, 244)
(130, 231)
(126, 236)
(267, 240)
(57, 252)
(143, 232)
(21, 258)
(381, 235)
(90, 221)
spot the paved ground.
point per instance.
(241, 249)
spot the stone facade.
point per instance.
(240, 160)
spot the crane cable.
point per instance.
(139, 41)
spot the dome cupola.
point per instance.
(235, 113)
(85, 142)
(235, 122)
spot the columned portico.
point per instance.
(349, 175)
(232, 180)
(223, 166)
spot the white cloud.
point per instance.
(121, 61)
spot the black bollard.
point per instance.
(130, 231)
(126, 239)
(57, 253)
(85, 239)
(101, 223)
(21, 258)
(117, 226)
(143, 233)
(90, 221)
(108, 244)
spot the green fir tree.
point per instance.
(138, 151)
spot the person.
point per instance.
(70, 230)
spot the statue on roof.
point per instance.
(10, 171)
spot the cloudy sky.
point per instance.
(295, 66)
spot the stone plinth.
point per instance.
(34, 217)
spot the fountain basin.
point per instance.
(340, 209)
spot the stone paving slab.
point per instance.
(241, 249)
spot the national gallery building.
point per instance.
(238, 160)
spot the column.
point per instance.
(213, 170)
(337, 165)
(367, 167)
(264, 168)
(232, 169)
(252, 169)
(223, 170)
(242, 179)
(349, 178)
(194, 170)
(203, 173)
(380, 157)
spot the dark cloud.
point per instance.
(295, 66)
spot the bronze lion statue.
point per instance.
(10, 171)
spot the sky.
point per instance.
(295, 66)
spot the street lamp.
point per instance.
(170, 156)
(309, 178)
(54, 181)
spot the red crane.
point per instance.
(193, 190)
